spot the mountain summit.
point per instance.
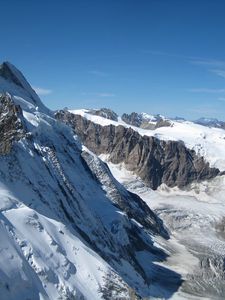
(13, 82)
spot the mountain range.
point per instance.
(98, 206)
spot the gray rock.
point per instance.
(11, 124)
(133, 119)
(163, 123)
(105, 113)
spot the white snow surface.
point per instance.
(207, 142)
(192, 217)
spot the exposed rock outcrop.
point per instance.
(11, 125)
(155, 161)
(133, 119)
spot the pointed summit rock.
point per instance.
(12, 81)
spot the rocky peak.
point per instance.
(13, 82)
(105, 113)
(7, 71)
(133, 119)
(145, 121)
(13, 75)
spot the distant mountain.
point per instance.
(145, 121)
(210, 122)
(105, 113)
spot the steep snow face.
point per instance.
(68, 229)
(207, 142)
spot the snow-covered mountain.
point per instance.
(74, 227)
(210, 122)
(68, 228)
(155, 158)
(207, 142)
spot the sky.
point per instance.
(154, 56)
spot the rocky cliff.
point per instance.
(11, 125)
(155, 161)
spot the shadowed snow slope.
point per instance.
(68, 229)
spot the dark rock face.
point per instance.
(133, 119)
(105, 113)
(163, 123)
(154, 160)
(11, 125)
(7, 74)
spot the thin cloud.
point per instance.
(98, 73)
(218, 65)
(221, 99)
(220, 73)
(208, 62)
(102, 95)
(207, 91)
(41, 91)
(174, 55)
(196, 60)
(106, 95)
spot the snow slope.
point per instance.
(207, 142)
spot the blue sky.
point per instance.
(157, 56)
